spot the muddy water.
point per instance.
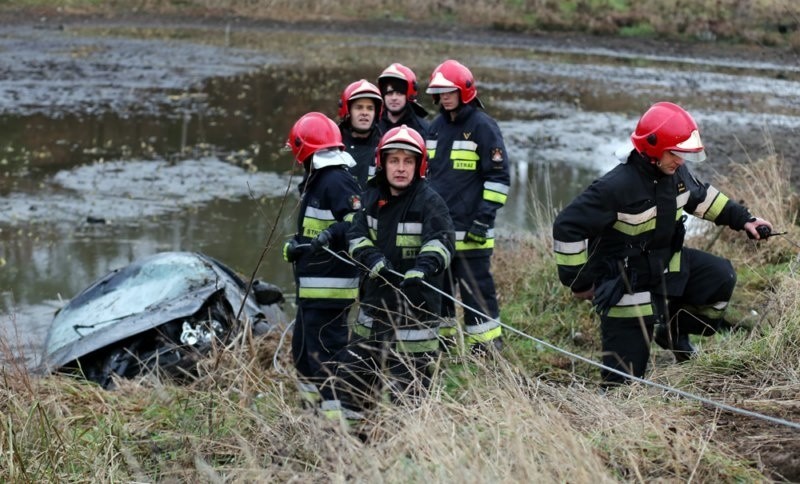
(116, 148)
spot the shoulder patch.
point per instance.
(355, 202)
(497, 155)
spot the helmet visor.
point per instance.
(440, 90)
(695, 156)
(399, 145)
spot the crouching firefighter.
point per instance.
(620, 244)
(326, 286)
(403, 238)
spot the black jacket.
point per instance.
(411, 230)
(329, 199)
(632, 220)
(362, 150)
(410, 118)
(468, 167)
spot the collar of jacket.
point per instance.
(462, 112)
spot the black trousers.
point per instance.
(319, 334)
(697, 310)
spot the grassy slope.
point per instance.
(534, 416)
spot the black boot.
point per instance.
(679, 344)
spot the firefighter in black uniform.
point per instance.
(402, 238)
(469, 169)
(620, 244)
(326, 286)
(359, 108)
(398, 86)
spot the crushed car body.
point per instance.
(161, 313)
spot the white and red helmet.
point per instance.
(403, 138)
(451, 76)
(311, 133)
(400, 72)
(358, 90)
(668, 127)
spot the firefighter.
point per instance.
(359, 108)
(403, 238)
(326, 286)
(620, 245)
(399, 89)
(469, 168)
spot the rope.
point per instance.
(666, 388)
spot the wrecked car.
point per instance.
(162, 313)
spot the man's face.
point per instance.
(669, 163)
(362, 114)
(449, 100)
(394, 101)
(400, 165)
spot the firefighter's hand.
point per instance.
(293, 251)
(477, 232)
(320, 241)
(758, 228)
(413, 288)
(586, 295)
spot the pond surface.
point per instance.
(116, 147)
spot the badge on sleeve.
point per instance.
(497, 155)
(355, 202)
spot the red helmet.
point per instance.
(668, 127)
(451, 75)
(357, 90)
(403, 138)
(311, 133)
(403, 73)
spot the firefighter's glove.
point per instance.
(477, 232)
(293, 251)
(320, 241)
(413, 287)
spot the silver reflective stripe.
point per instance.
(307, 387)
(496, 187)
(481, 328)
(339, 282)
(460, 234)
(448, 323)
(711, 195)
(719, 306)
(416, 334)
(682, 199)
(364, 319)
(319, 214)
(637, 218)
(635, 299)
(465, 145)
(409, 228)
(430, 144)
(372, 222)
(570, 247)
(330, 405)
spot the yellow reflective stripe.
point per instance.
(491, 196)
(634, 229)
(417, 346)
(360, 243)
(464, 245)
(474, 338)
(349, 217)
(638, 311)
(448, 331)
(327, 293)
(431, 153)
(408, 240)
(437, 248)
(373, 234)
(361, 330)
(675, 262)
(716, 207)
(678, 213)
(464, 155)
(572, 259)
(633, 306)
